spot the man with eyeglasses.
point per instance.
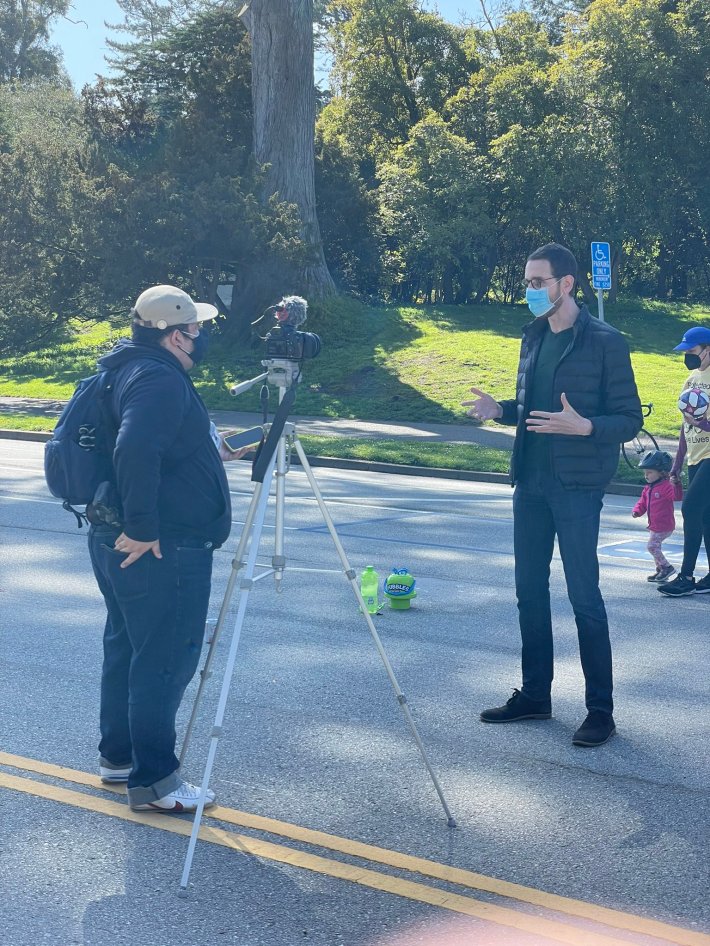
(576, 402)
(152, 556)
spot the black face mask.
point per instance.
(199, 346)
(692, 362)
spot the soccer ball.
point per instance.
(694, 401)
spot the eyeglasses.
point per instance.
(537, 281)
(200, 329)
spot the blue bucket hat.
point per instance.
(697, 335)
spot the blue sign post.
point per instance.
(601, 272)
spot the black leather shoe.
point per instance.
(518, 707)
(596, 729)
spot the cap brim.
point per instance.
(205, 311)
(684, 346)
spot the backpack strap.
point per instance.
(81, 517)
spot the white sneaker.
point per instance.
(185, 798)
(110, 775)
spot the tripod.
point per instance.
(250, 539)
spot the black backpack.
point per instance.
(79, 457)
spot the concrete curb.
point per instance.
(39, 436)
(369, 466)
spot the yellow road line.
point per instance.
(502, 916)
(428, 868)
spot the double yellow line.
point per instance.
(554, 929)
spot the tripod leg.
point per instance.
(279, 560)
(352, 578)
(244, 589)
(237, 564)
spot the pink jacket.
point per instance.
(657, 500)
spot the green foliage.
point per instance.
(435, 211)
(173, 134)
(25, 52)
(445, 154)
(47, 264)
(148, 20)
(650, 61)
(347, 213)
(573, 111)
(393, 63)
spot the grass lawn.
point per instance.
(25, 422)
(414, 453)
(399, 363)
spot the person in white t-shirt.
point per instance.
(694, 442)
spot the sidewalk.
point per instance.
(497, 437)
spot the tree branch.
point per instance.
(491, 27)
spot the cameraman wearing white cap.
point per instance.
(153, 559)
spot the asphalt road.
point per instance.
(606, 846)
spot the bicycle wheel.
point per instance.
(634, 450)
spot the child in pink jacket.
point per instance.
(657, 501)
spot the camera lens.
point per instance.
(311, 344)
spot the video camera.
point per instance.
(286, 347)
(284, 341)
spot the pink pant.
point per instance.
(655, 540)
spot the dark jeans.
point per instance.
(696, 515)
(152, 643)
(543, 509)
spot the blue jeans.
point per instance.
(543, 509)
(152, 642)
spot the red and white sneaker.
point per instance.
(184, 798)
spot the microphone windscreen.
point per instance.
(297, 309)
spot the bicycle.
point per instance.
(634, 450)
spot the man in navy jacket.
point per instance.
(576, 402)
(152, 555)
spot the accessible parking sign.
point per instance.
(601, 266)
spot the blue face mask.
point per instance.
(199, 346)
(539, 301)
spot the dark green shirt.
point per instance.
(536, 453)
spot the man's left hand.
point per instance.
(567, 421)
(135, 549)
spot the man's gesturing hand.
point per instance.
(567, 421)
(484, 407)
(134, 549)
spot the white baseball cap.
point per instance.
(163, 306)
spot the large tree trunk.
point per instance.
(283, 96)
